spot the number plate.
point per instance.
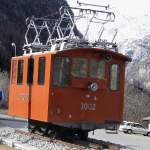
(87, 106)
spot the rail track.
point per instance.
(27, 141)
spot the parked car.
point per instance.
(133, 127)
(124, 124)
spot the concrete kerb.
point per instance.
(12, 118)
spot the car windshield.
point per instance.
(124, 123)
(129, 124)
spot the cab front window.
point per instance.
(79, 67)
(97, 69)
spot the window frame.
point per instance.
(14, 70)
(41, 78)
(61, 86)
(29, 77)
(118, 77)
(20, 80)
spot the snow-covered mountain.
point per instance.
(134, 40)
(138, 71)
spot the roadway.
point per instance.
(126, 141)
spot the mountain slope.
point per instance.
(138, 71)
(12, 23)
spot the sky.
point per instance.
(132, 18)
(124, 7)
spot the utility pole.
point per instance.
(14, 45)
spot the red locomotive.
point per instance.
(68, 85)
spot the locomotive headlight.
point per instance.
(108, 58)
(93, 87)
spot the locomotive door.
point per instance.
(62, 104)
(18, 95)
(66, 92)
(38, 81)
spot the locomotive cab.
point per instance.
(87, 88)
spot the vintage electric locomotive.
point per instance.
(68, 86)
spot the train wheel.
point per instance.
(51, 133)
(31, 128)
(43, 130)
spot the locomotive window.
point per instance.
(41, 71)
(114, 77)
(30, 71)
(20, 72)
(61, 72)
(79, 67)
(97, 69)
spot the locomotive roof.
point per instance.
(82, 50)
(99, 50)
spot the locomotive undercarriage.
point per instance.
(56, 131)
(67, 131)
